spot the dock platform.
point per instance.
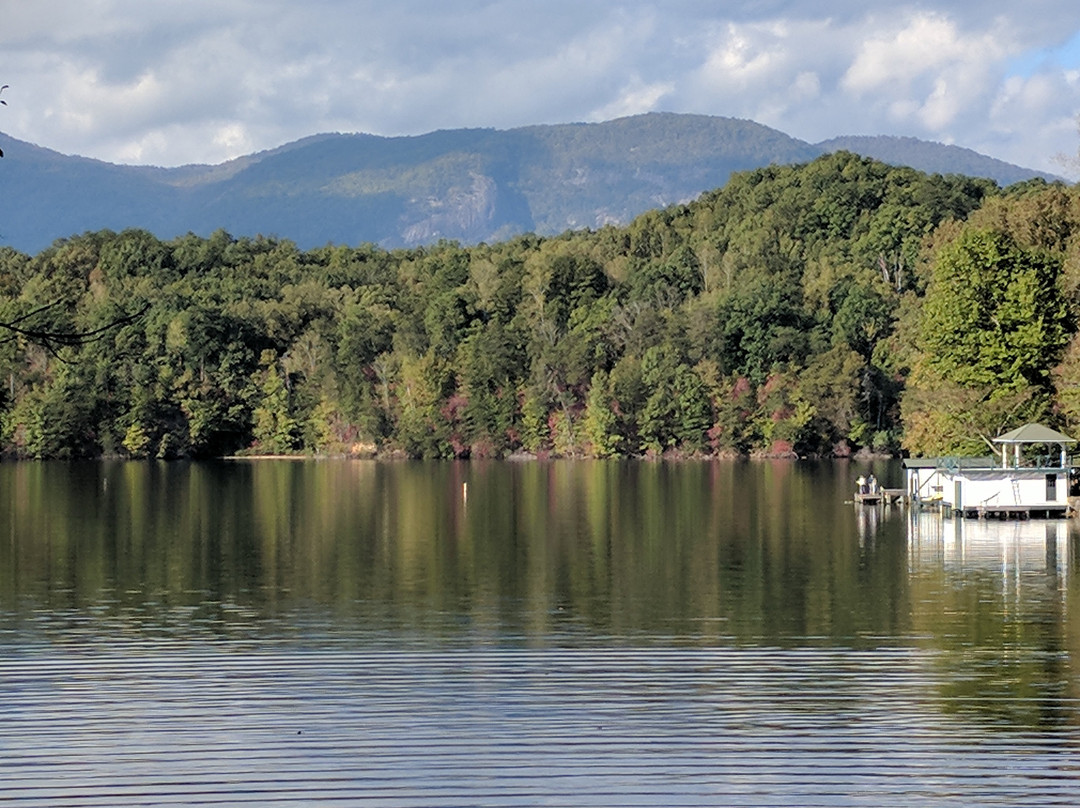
(1039, 511)
(883, 496)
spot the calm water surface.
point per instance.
(359, 633)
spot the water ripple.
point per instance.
(514, 726)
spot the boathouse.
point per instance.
(1028, 475)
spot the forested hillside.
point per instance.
(816, 309)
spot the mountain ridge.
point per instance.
(469, 185)
(933, 158)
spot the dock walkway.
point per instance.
(1050, 510)
(887, 496)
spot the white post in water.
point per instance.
(464, 492)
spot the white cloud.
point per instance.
(928, 71)
(1051, 99)
(234, 139)
(742, 59)
(941, 106)
(922, 45)
(634, 99)
(806, 87)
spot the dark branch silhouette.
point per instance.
(52, 340)
(2, 101)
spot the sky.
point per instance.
(169, 82)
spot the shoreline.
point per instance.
(529, 457)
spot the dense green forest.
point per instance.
(826, 308)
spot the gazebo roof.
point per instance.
(1033, 433)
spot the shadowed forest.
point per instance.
(838, 306)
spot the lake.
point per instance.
(545, 633)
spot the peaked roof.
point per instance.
(1033, 433)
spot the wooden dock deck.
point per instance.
(883, 496)
(1051, 510)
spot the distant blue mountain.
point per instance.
(471, 185)
(933, 158)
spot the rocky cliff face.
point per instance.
(465, 213)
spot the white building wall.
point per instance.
(983, 491)
(1019, 488)
(987, 487)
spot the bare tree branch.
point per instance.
(2, 101)
(52, 340)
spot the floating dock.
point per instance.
(1047, 511)
(883, 496)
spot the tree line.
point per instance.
(822, 309)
